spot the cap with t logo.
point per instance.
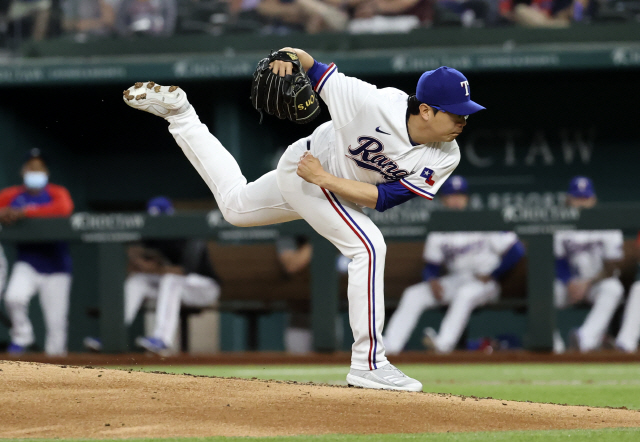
(581, 187)
(160, 205)
(447, 89)
(454, 184)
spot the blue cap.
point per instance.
(160, 205)
(455, 184)
(448, 89)
(581, 187)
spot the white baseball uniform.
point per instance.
(367, 140)
(465, 255)
(54, 289)
(4, 270)
(43, 268)
(170, 292)
(196, 288)
(629, 334)
(586, 252)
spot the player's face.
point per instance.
(456, 201)
(447, 126)
(581, 203)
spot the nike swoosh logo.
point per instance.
(381, 131)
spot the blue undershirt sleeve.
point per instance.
(509, 259)
(431, 271)
(392, 194)
(563, 270)
(316, 72)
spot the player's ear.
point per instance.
(424, 111)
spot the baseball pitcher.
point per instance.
(381, 148)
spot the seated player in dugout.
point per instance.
(43, 268)
(629, 334)
(171, 272)
(475, 261)
(587, 271)
(381, 148)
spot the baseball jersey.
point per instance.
(586, 250)
(367, 138)
(468, 252)
(52, 201)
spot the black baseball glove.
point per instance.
(291, 96)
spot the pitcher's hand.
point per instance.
(310, 169)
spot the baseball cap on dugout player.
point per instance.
(160, 205)
(581, 187)
(447, 89)
(454, 184)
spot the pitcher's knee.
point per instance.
(374, 244)
(238, 219)
(380, 246)
(370, 248)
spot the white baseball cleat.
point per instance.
(384, 378)
(163, 101)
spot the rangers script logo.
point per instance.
(368, 155)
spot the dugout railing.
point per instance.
(110, 233)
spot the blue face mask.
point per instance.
(35, 180)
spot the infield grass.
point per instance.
(607, 435)
(597, 385)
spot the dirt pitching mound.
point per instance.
(42, 400)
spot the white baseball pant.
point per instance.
(170, 292)
(4, 270)
(605, 295)
(462, 292)
(54, 290)
(280, 196)
(629, 333)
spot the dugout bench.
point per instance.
(110, 232)
(251, 302)
(253, 305)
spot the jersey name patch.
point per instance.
(368, 155)
(427, 174)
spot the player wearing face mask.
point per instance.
(43, 268)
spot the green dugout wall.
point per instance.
(104, 235)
